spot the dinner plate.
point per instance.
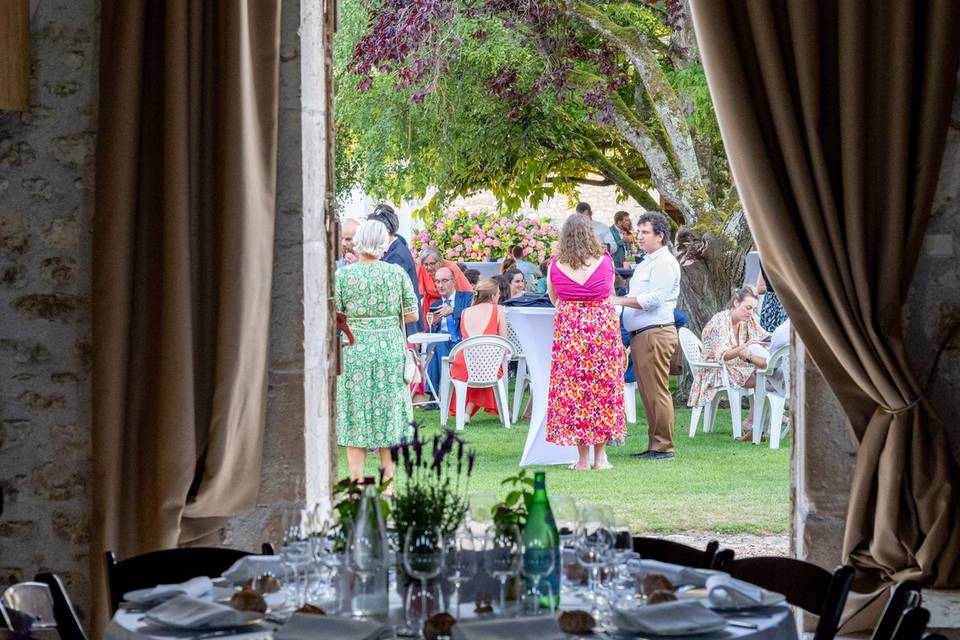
(143, 596)
(249, 618)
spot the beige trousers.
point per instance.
(651, 351)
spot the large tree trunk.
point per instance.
(710, 277)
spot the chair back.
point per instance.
(68, 624)
(903, 596)
(676, 552)
(691, 345)
(805, 585)
(166, 567)
(912, 624)
(781, 359)
(484, 357)
(33, 599)
(515, 346)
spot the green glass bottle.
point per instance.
(540, 532)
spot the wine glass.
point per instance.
(295, 553)
(423, 558)
(481, 509)
(502, 555)
(565, 514)
(367, 556)
(593, 545)
(461, 561)
(538, 557)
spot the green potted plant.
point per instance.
(431, 483)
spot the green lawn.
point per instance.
(714, 484)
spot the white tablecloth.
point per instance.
(534, 329)
(486, 269)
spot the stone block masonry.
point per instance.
(46, 202)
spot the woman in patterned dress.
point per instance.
(585, 405)
(373, 402)
(735, 338)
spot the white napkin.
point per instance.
(675, 573)
(184, 612)
(541, 628)
(726, 592)
(669, 619)
(249, 567)
(195, 587)
(302, 626)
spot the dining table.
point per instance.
(767, 623)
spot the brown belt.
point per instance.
(652, 326)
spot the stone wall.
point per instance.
(46, 197)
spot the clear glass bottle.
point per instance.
(368, 557)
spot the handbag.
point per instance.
(411, 361)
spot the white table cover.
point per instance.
(486, 269)
(534, 329)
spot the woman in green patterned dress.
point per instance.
(373, 402)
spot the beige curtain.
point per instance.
(14, 55)
(834, 115)
(183, 244)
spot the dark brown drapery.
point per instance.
(834, 115)
(183, 252)
(15, 55)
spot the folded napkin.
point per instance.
(542, 628)
(302, 626)
(668, 619)
(184, 612)
(249, 567)
(195, 587)
(726, 592)
(675, 573)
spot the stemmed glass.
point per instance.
(481, 509)
(502, 554)
(565, 514)
(461, 561)
(423, 558)
(537, 560)
(594, 540)
(367, 555)
(296, 553)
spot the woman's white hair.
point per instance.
(371, 239)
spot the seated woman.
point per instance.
(484, 318)
(517, 282)
(735, 338)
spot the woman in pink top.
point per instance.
(585, 406)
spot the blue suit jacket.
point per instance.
(461, 300)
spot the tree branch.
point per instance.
(610, 169)
(665, 100)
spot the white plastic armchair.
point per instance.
(486, 358)
(776, 398)
(692, 352)
(522, 380)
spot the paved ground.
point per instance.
(744, 545)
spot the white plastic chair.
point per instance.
(630, 401)
(765, 394)
(484, 357)
(522, 379)
(31, 598)
(692, 352)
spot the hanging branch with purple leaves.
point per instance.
(432, 481)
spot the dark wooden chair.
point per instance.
(68, 624)
(904, 595)
(805, 585)
(912, 624)
(677, 553)
(166, 567)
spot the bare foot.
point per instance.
(578, 467)
(603, 465)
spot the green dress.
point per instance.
(373, 401)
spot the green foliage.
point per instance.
(516, 504)
(461, 138)
(346, 502)
(691, 83)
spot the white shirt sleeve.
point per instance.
(663, 281)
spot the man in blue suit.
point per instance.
(445, 314)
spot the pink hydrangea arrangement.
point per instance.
(486, 235)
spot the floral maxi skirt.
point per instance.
(585, 405)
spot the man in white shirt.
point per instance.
(648, 316)
(600, 230)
